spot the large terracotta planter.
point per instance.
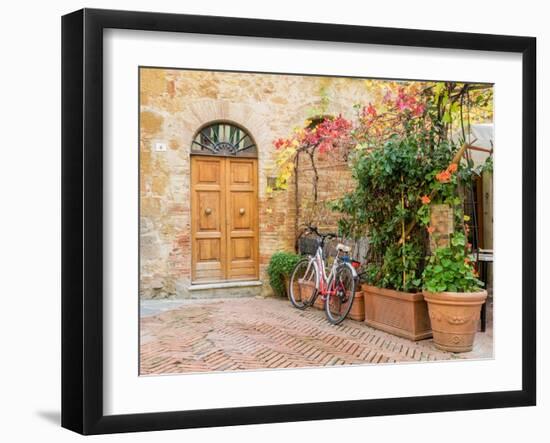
(454, 317)
(400, 313)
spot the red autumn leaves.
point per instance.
(325, 135)
(331, 132)
(400, 102)
(408, 102)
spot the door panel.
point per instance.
(242, 206)
(241, 173)
(209, 249)
(209, 210)
(211, 173)
(207, 227)
(242, 232)
(242, 249)
(224, 218)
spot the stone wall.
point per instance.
(174, 105)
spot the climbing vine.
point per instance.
(327, 134)
(398, 108)
(406, 149)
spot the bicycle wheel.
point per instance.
(342, 292)
(303, 284)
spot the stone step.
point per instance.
(223, 290)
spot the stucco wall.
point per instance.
(174, 104)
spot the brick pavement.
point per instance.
(254, 333)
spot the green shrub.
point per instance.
(451, 269)
(281, 264)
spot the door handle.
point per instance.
(208, 211)
(241, 211)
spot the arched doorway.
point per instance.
(224, 204)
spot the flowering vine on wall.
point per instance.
(407, 150)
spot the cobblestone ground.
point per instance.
(252, 333)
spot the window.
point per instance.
(224, 139)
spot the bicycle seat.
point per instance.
(343, 248)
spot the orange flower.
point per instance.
(466, 260)
(452, 168)
(430, 229)
(425, 199)
(443, 177)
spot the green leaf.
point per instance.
(458, 241)
(445, 99)
(438, 88)
(455, 107)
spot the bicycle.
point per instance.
(309, 279)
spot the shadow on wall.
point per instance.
(53, 417)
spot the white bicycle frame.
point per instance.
(323, 280)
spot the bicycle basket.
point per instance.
(307, 245)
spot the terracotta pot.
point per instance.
(286, 280)
(319, 302)
(357, 311)
(400, 313)
(307, 289)
(454, 317)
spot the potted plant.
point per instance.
(406, 156)
(279, 269)
(451, 288)
(454, 295)
(390, 182)
(403, 151)
(395, 308)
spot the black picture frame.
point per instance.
(82, 218)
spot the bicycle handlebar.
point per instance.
(314, 230)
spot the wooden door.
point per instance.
(224, 219)
(207, 218)
(241, 219)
